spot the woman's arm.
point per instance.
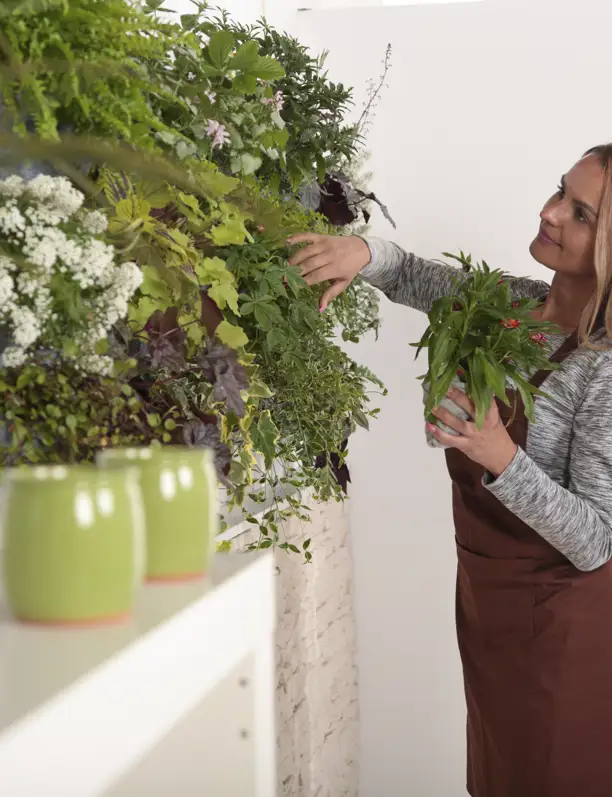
(577, 521)
(403, 277)
(407, 279)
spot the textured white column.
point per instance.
(317, 684)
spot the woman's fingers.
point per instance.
(305, 238)
(462, 400)
(447, 418)
(446, 439)
(302, 257)
(323, 271)
(332, 292)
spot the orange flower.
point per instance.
(510, 323)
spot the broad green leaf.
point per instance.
(230, 231)
(225, 295)
(211, 270)
(153, 285)
(140, 313)
(220, 47)
(250, 163)
(247, 84)
(231, 335)
(246, 57)
(268, 69)
(276, 339)
(189, 21)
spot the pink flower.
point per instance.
(217, 132)
(538, 337)
(277, 101)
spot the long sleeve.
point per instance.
(577, 519)
(407, 279)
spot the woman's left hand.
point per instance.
(490, 446)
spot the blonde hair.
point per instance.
(597, 315)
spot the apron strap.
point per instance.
(567, 347)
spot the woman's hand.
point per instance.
(490, 446)
(330, 258)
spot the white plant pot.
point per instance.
(449, 405)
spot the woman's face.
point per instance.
(566, 241)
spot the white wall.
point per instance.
(280, 12)
(488, 103)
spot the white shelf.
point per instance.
(82, 710)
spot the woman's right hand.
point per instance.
(330, 258)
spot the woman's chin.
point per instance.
(538, 251)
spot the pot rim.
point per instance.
(57, 473)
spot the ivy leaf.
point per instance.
(259, 390)
(265, 436)
(231, 335)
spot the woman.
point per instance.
(532, 506)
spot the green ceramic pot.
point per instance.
(74, 543)
(181, 506)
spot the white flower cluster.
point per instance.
(60, 272)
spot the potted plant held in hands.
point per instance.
(484, 342)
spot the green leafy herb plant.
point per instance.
(484, 339)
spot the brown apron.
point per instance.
(535, 636)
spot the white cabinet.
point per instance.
(179, 701)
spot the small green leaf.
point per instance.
(153, 419)
(250, 163)
(71, 422)
(265, 435)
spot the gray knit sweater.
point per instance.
(561, 485)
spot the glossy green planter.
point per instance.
(181, 507)
(74, 543)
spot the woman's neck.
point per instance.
(566, 301)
